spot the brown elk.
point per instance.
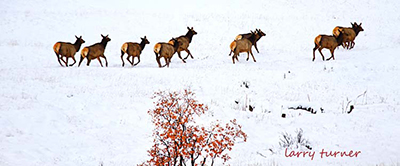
(95, 51)
(329, 42)
(68, 50)
(133, 50)
(259, 34)
(350, 34)
(184, 42)
(166, 50)
(243, 45)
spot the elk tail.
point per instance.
(85, 52)
(160, 51)
(233, 46)
(124, 48)
(56, 48)
(238, 37)
(318, 40)
(157, 48)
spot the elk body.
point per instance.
(243, 45)
(166, 50)
(133, 50)
(95, 51)
(259, 34)
(329, 42)
(68, 50)
(184, 42)
(350, 34)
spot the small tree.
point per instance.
(177, 138)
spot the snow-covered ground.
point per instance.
(50, 115)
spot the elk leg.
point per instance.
(80, 61)
(61, 57)
(88, 62)
(138, 61)
(353, 44)
(230, 53)
(169, 61)
(348, 44)
(158, 61)
(236, 57)
(255, 46)
(73, 58)
(251, 52)
(313, 55)
(105, 59)
(166, 62)
(179, 55)
(58, 58)
(127, 58)
(66, 63)
(187, 50)
(101, 64)
(333, 56)
(323, 58)
(344, 45)
(122, 58)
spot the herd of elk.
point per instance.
(329, 42)
(243, 45)
(341, 36)
(184, 42)
(244, 42)
(247, 35)
(95, 51)
(344, 36)
(166, 50)
(350, 34)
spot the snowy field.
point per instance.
(51, 115)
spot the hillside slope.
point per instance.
(50, 115)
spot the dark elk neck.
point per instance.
(104, 43)
(77, 45)
(189, 35)
(142, 44)
(356, 30)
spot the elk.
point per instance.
(68, 50)
(95, 51)
(133, 50)
(243, 45)
(350, 34)
(184, 42)
(166, 50)
(259, 34)
(329, 42)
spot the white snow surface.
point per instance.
(51, 115)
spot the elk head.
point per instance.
(105, 38)
(191, 30)
(145, 40)
(79, 39)
(261, 33)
